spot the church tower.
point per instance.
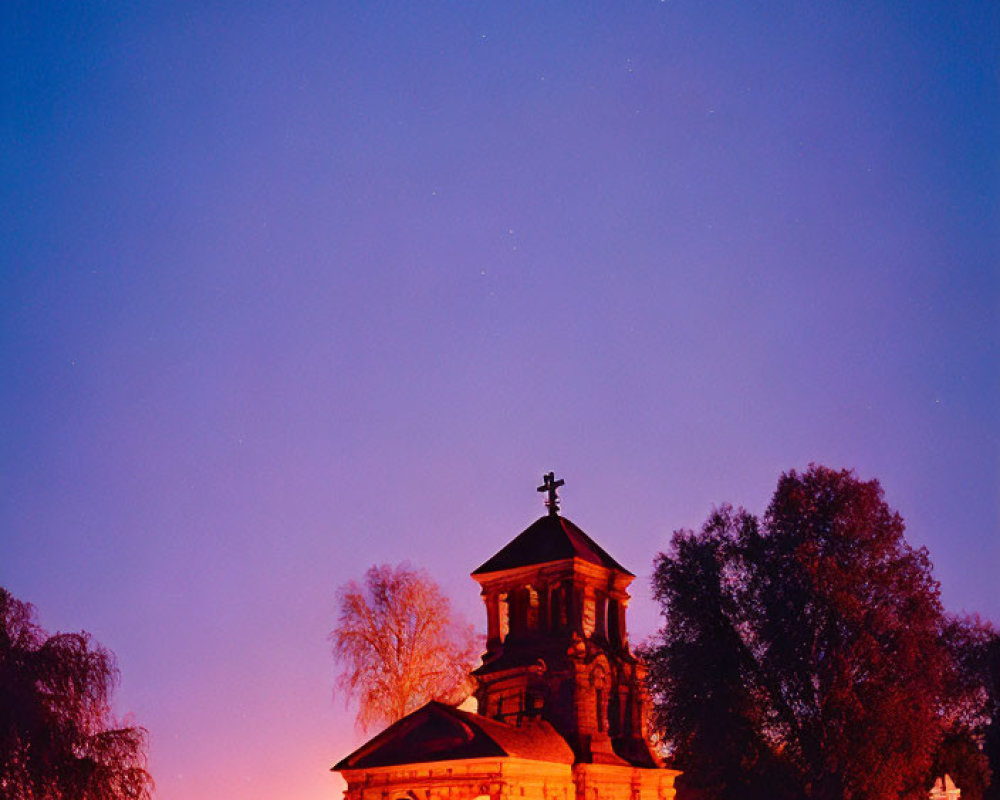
(561, 697)
(557, 643)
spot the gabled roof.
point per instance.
(437, 732)
(549, 538)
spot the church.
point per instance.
(562, 704)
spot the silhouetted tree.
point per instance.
(699, 666)
(58, 738)
(969, 709)
(807, 643)
(991, 735)
(400, 645)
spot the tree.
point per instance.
(705, 706)
(810, 639)
(971, 709)
(58, 738)
(991, 736)
(400, 645)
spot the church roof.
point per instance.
(549, 538)
(437, 732)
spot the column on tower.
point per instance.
(588, 615)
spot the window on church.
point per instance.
(601, 612)
(614, 714)
(531, 608)
(600, 710)
(557, 609)
(519, 604)
(614, 622)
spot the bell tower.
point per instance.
(557, 643)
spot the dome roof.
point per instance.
(437, 732)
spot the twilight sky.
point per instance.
(289, 289)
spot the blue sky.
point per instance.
(289, 290)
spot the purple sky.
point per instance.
(291, 289)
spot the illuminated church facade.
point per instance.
(561, 698)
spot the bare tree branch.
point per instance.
(399, 645)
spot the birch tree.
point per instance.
(399, 645)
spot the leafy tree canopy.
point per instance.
(399, 645)
(802, 653)
(58, 738)
(970, 714)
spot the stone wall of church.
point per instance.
(470, 779)
(611, 782)
(509, 779)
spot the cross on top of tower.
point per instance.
(550, 485)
